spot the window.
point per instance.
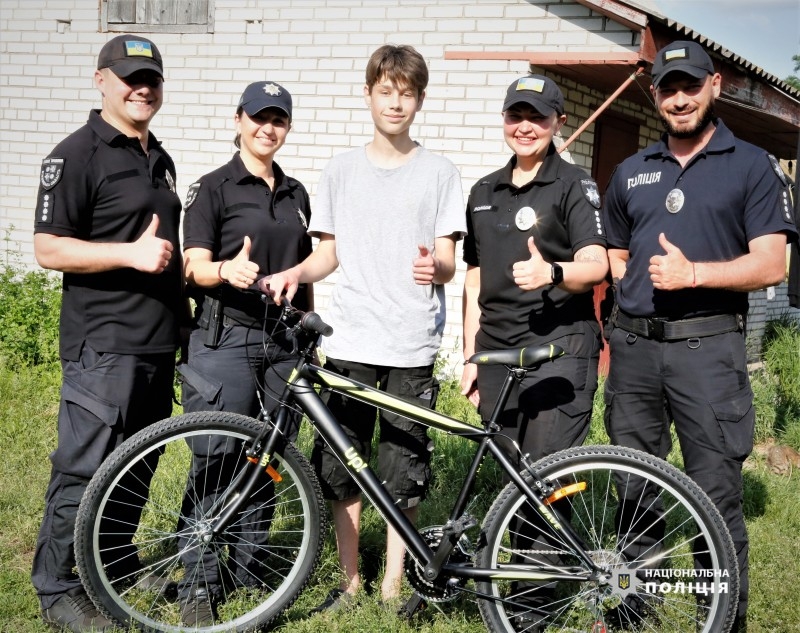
(157, 16)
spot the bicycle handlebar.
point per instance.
(309, 321)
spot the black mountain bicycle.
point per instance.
(592, 539)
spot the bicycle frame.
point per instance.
(301, 385)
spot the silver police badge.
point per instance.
(272, 89)
(675, 201)
(191, 195)
(525, 218)
(52, 169)
(590, 192)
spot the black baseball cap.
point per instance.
(537, 91)
(683, 56)
(125, 54)
(265, 94)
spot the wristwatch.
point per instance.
(556, 274)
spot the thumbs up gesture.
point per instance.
(671, 271)
(424, 266)
(240, 272)
(532, 273)
(150, 253)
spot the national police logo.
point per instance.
(272, 89)
(191, 195)
(52, 169)
(624, 581)
(590, 192)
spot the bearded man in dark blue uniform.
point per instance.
(694, 223)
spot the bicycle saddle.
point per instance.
(527, 357)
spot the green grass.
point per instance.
(28, 402)
(28, 398)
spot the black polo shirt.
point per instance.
(98, 185)
(229, 203)
(728, 194)
(566, 205)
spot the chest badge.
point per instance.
(675, 201)
(525, 218)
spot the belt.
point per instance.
(665, 330)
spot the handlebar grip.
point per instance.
(313, 322)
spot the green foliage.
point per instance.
(777, 385)
(30, 302)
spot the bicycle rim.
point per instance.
(143, 538)
(668, 560)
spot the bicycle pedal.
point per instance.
(415, 603)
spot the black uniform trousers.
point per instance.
(105, 398)
(224, 378)
(702, 385)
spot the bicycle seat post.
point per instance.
(513, 375)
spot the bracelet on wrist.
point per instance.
(219, 272)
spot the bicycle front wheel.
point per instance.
(666, 558)
(146, 539)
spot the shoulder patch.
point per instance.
(191, 195)
(52, 170)
(590, 192)
(776, 167)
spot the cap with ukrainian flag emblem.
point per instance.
(539, 92)
(682, 56)
(126, 54)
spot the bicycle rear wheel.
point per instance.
(667, 558)
(144, 539)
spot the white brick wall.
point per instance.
(318, 50)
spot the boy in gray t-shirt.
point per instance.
(388, 216)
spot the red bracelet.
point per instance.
(694, 277)
(219, 271)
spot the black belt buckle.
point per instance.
(655, 329)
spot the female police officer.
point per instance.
(534, 250)
(244, 219)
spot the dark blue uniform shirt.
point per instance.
(98, 185)
(729, 195)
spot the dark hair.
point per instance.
(237, 141)
(402, 65)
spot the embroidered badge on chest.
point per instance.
(525, 218)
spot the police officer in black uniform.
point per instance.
(534, 251)
(694, 223)
(107, 217)
(242, 221)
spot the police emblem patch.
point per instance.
(52, 169)
(302, 218)
(776, 167)
(624, 581)
(272, 89)
(191, 195)
(170, 181)
(591, 192)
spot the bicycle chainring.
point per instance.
(439, 590)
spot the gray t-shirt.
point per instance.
(378, 217)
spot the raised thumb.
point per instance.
(423, 250)
(153, 227)
(245, 252)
